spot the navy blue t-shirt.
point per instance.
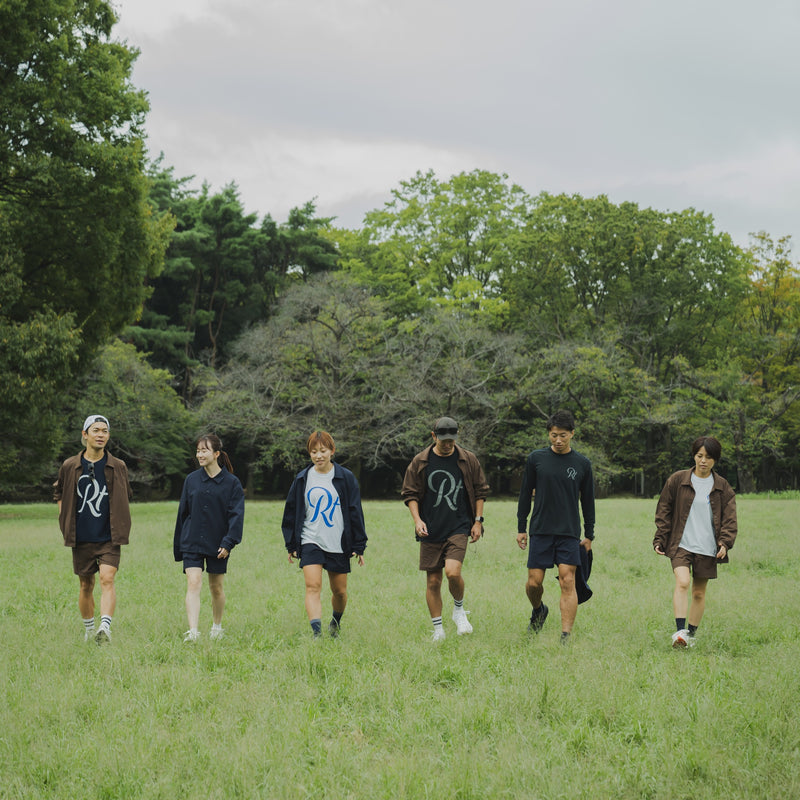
(93, 522)
(563, 484)
(445, 506)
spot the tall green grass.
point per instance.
(383, 712)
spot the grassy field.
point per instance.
(383, 712)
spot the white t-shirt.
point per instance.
(698, 535)
(324, 524)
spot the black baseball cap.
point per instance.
(445, 428)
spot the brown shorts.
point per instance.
(88, 556)
(432, 555)
(701, 566)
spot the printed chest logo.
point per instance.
(323, 503)
(445, 487)
(572, 473)
(91, 495)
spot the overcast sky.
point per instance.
(666, 103)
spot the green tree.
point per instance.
(668, 284)
(335, 356)
(150, 427)
(78, 237)
(450, 241)
(222, 273)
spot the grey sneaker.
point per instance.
(103, 635)
(333, 628)
(438, 633)
(191, 635)
(88, 635)
(538, 617)
(216, 633)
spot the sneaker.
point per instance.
(333, 628)
(680, 639)
(690, 640)
(461, 621)
(88, 635)
(215, 633)
(191, 636)
(103, 635)
(438, 633)
(538, 617)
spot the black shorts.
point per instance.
(211, 564)
(331, 562)
(547, 551)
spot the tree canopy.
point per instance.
(78, 237)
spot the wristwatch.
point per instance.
(478, 519)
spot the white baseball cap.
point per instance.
(91, 419)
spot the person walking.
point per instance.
(696, 527)
(323, 526)
(558, 481)
(93, 493)
(209, 525)
(444, 489)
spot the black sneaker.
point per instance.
(333, 629)
(538, 617)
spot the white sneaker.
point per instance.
(216, 633)
(88, 635)
(461, 621)
(103, 635)
(438, 633)
(681, 639)
(191, 636)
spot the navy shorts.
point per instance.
(211, 564)
(547, 551)
(331, 562)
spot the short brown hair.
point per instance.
(320, 437)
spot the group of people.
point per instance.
(444, 488)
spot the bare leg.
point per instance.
(534, 588)
(569, 597)
(433, 593)
(217, 597)
(698, 606)
(194, 582)
(108, 596)
(455, 583)
(86, 596)
(338, 582)
(680, 597)
(312, 573)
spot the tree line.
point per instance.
(174, 310)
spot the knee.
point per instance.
(567, 583)
(682, 583)
(533, 584)
(434, 583)
(107, 582)
(194, 582)
(698, 595)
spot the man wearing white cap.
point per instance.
(93, 495)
